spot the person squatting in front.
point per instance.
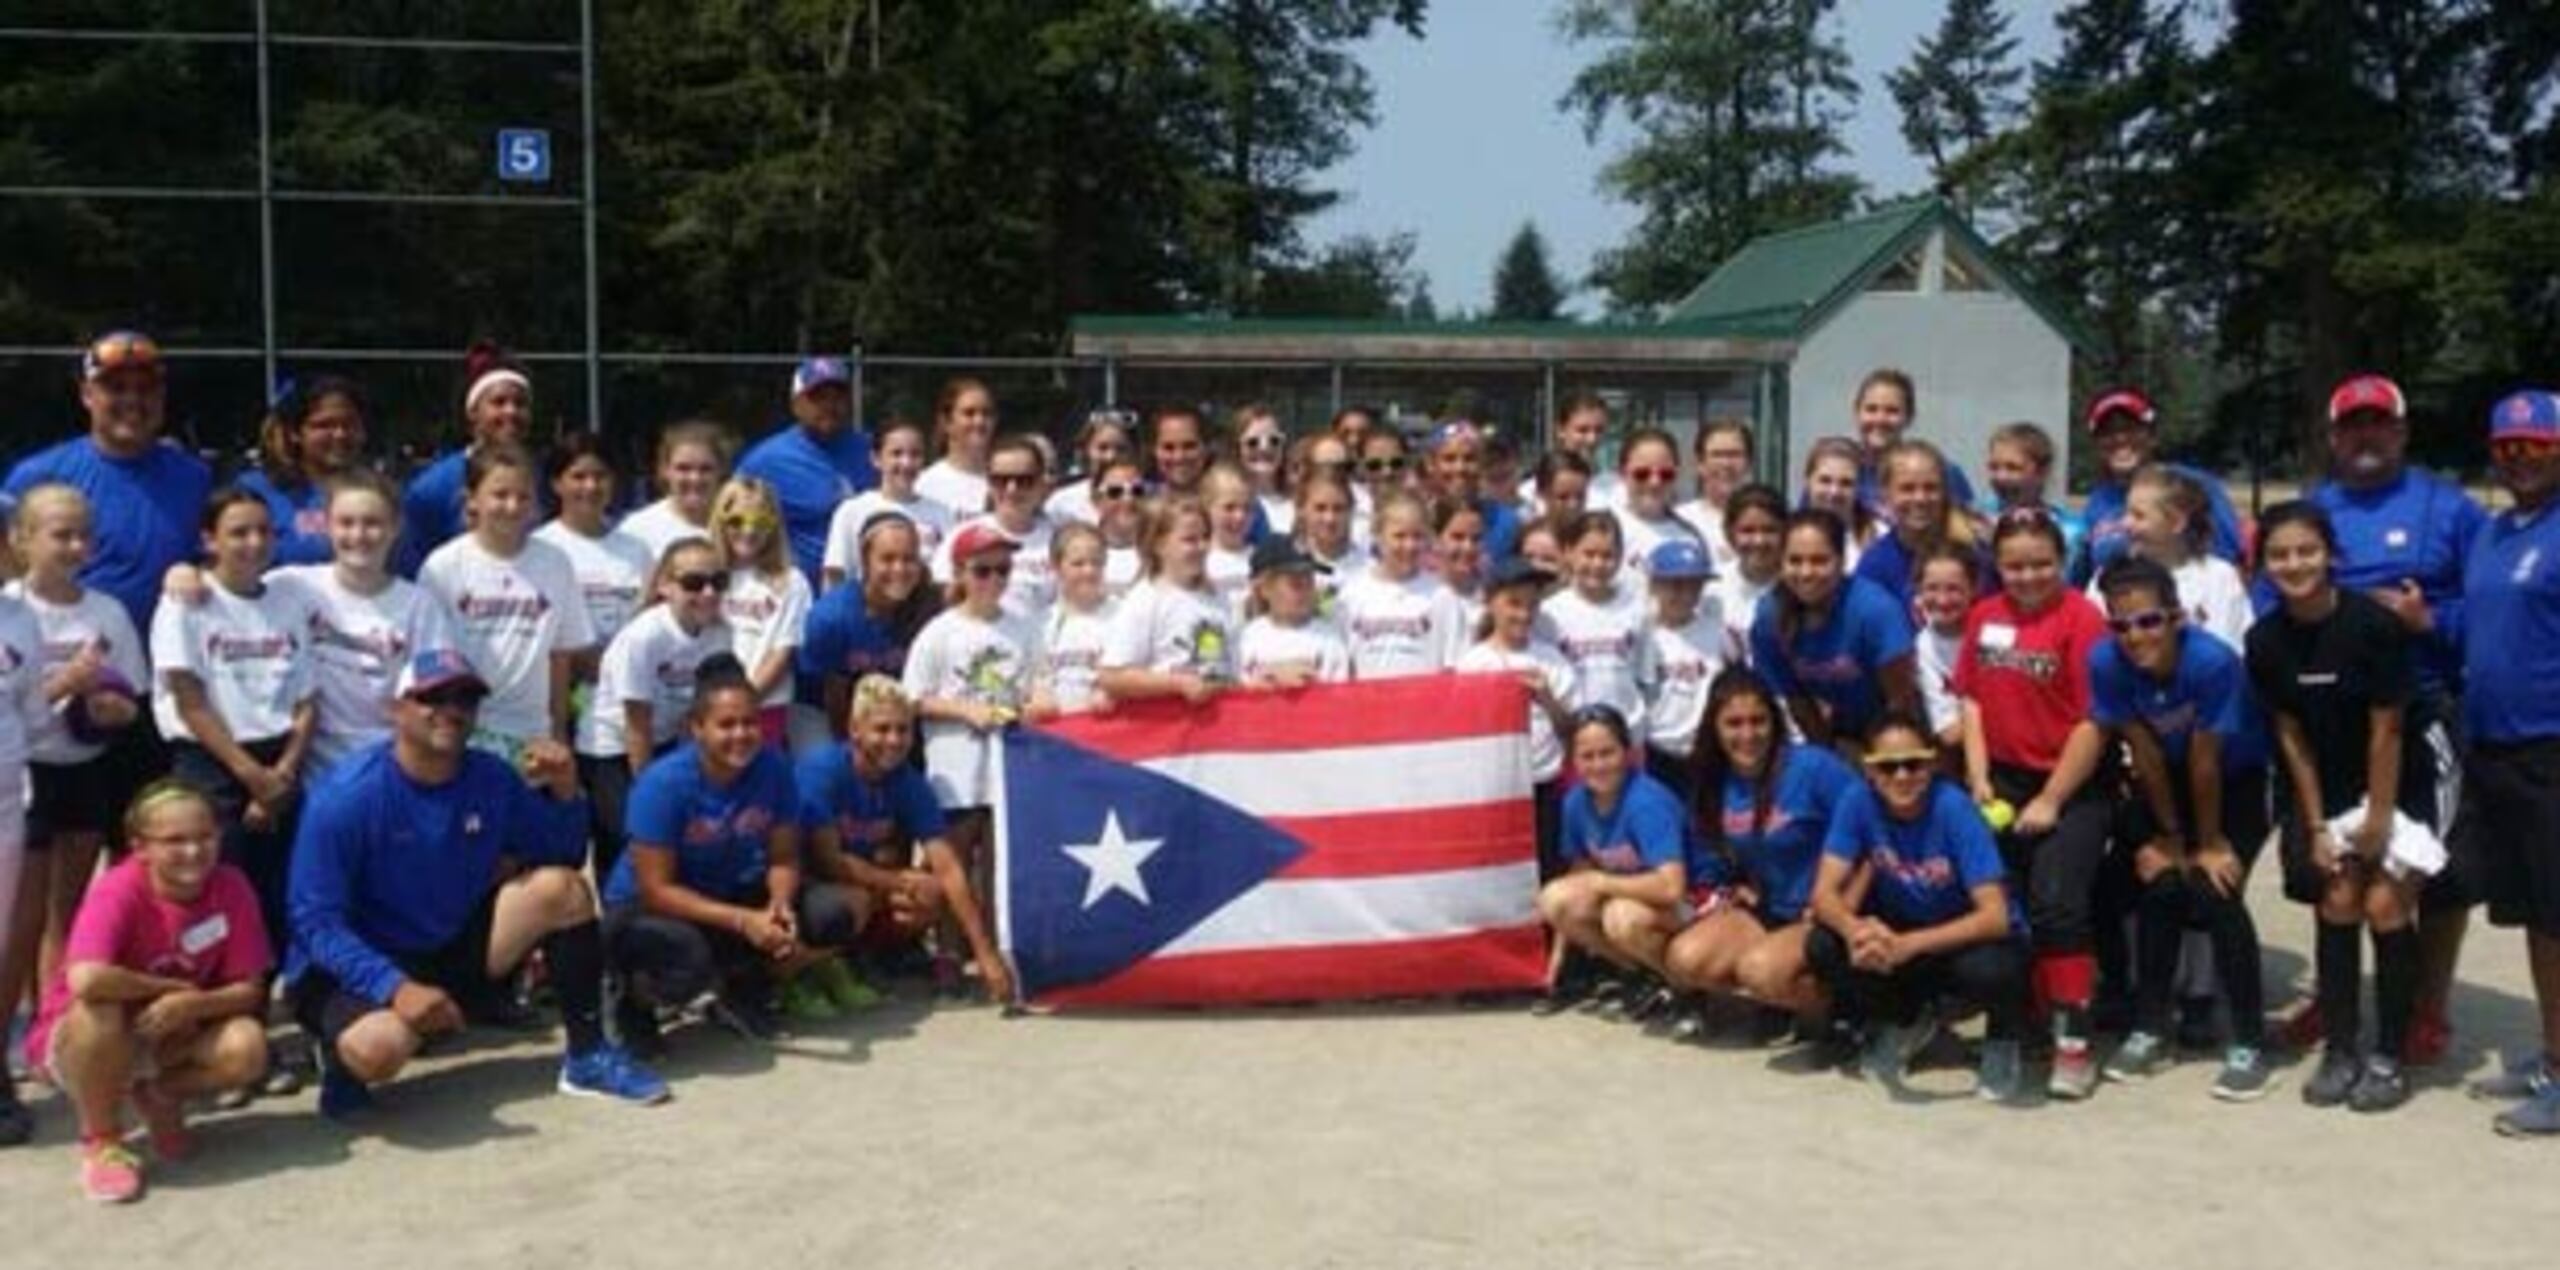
(1625, 891)
(424, 873)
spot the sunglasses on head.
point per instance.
(1900, 764)
(2027, 514)
(697, 583)
(1653, 475)
(115, 352)
(2146, 621)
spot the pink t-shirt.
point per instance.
(212, 943)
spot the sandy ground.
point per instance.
(1358, 1137)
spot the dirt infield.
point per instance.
(1367, 1137)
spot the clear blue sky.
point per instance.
(1469, 142)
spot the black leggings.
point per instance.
(669, 961)
(1991, 975)
(608, 784)
(2168, 904)
(2058, 870)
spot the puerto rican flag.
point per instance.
(1335, 842)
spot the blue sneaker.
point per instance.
(342, 1095)
(608, 1071)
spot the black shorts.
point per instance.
(2510, 821)
(78, 798)
(326, 1009)
(2435, 767)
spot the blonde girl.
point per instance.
(1173, 636)
(1831, 484)
(1323, 527)
(767, 604)
(1262, 450)
(897, 451)
(964, 418)
(1396, 617)
(1228, 495)
(1602, 621)
(2168, 520)
(1066, 675)
(516, 603)
(692, 459)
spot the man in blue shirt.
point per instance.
(816, 461)
(2125, 428)
(2511, 706)
(2403, 538)
(146, 495)
(424, 873)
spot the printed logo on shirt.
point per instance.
(1685, 671)
(476, 607)
(1837, 669)
(1935, 873)
(311, 522)
(607, 593)
(751, 608)
(1208, 645)
(2038, 665)
(223, 646)
(388, 645)
(708, 831)
(1586, 647)
(672, 675)
(2165, 719)
(862, 661)
(1737, 822)
(2525, 565)
(863, 831)
(989, 676)
(1380, 627)
(1618, 858)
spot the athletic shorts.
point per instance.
(326, 1009)
(78, 798)
(2511, 820)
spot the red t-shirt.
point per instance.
(2029, 675)
(215, 942)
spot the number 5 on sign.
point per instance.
(524, 154)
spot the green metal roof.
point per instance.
(1211, 326)
(1786, 284)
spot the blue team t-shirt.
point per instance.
(841, 637)
(1837, 662)
(1645, 831)
(430, 512)
(2420, 527)
(810, 477)
(865, 813)
(300, 514)
(2511, 640)
(145, 513)
(718, 833)
(1925, 868)
(1782, 854)
(2208, 691)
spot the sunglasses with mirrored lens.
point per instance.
(697, 583)
(748, 524)
(2146, 622)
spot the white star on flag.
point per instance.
(1113, 862)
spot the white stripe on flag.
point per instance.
(1346, 782)
(1321, 911)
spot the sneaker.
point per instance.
(2336, 1079)
(110, 1174)
(844, 989)
(2382, 1087)
(1890, 1051)
(2430, 1038)
(343, 1096)
(2518, 1080)
(2245, 1076)
(744, 1015)
(1607, 996)
(2075, 1071)
(166, 1119)
(1689, 1023)
(635, 1025)
(2141, 1057)
(1652, 1004)
(608, 1072)
(2535, 1117)
(804, 1002)
(2002, 1078)
(281, 1081)
(17, 1124)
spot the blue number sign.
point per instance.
(524, 154)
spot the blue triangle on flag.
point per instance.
(1059, 795)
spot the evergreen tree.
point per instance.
(1525, 288)
(1958, 92)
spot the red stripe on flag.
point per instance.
(1503, 959)
(1432, 840)
(1324, 717)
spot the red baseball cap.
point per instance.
(979, 539)
(2367, 392)
(2128, 401)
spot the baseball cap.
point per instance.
(818, 372)
(2367, 392)
(1279, 554)
(1679, 560)
(2531, 415)
(979, 539)
(119, 350)
(2121, 401)
(1518, 571)
(432, 668)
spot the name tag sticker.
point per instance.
(2396, 539)
(205, 934)
(1998, 635)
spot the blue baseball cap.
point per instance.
(818, 372)
(2531, 415)
(1680, 560)
(432, 668)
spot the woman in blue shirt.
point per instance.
(709, 893)
(1625, 890)
(1764, 805)
(1836, 649)
(1911, 904)
(864, 624)
(314, 433)
(2179, 699)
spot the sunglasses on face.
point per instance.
(2514, 449)
(2145, 622)
(1653, 475)
(1264, 443)
(454, 698)
(1381, 467)
(986, 572)
(697, 583)
(1117, 492)
(1900, 764)
(748, 524)
(1012, 480)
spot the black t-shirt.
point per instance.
(2330, 676)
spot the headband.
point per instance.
(492, 380)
